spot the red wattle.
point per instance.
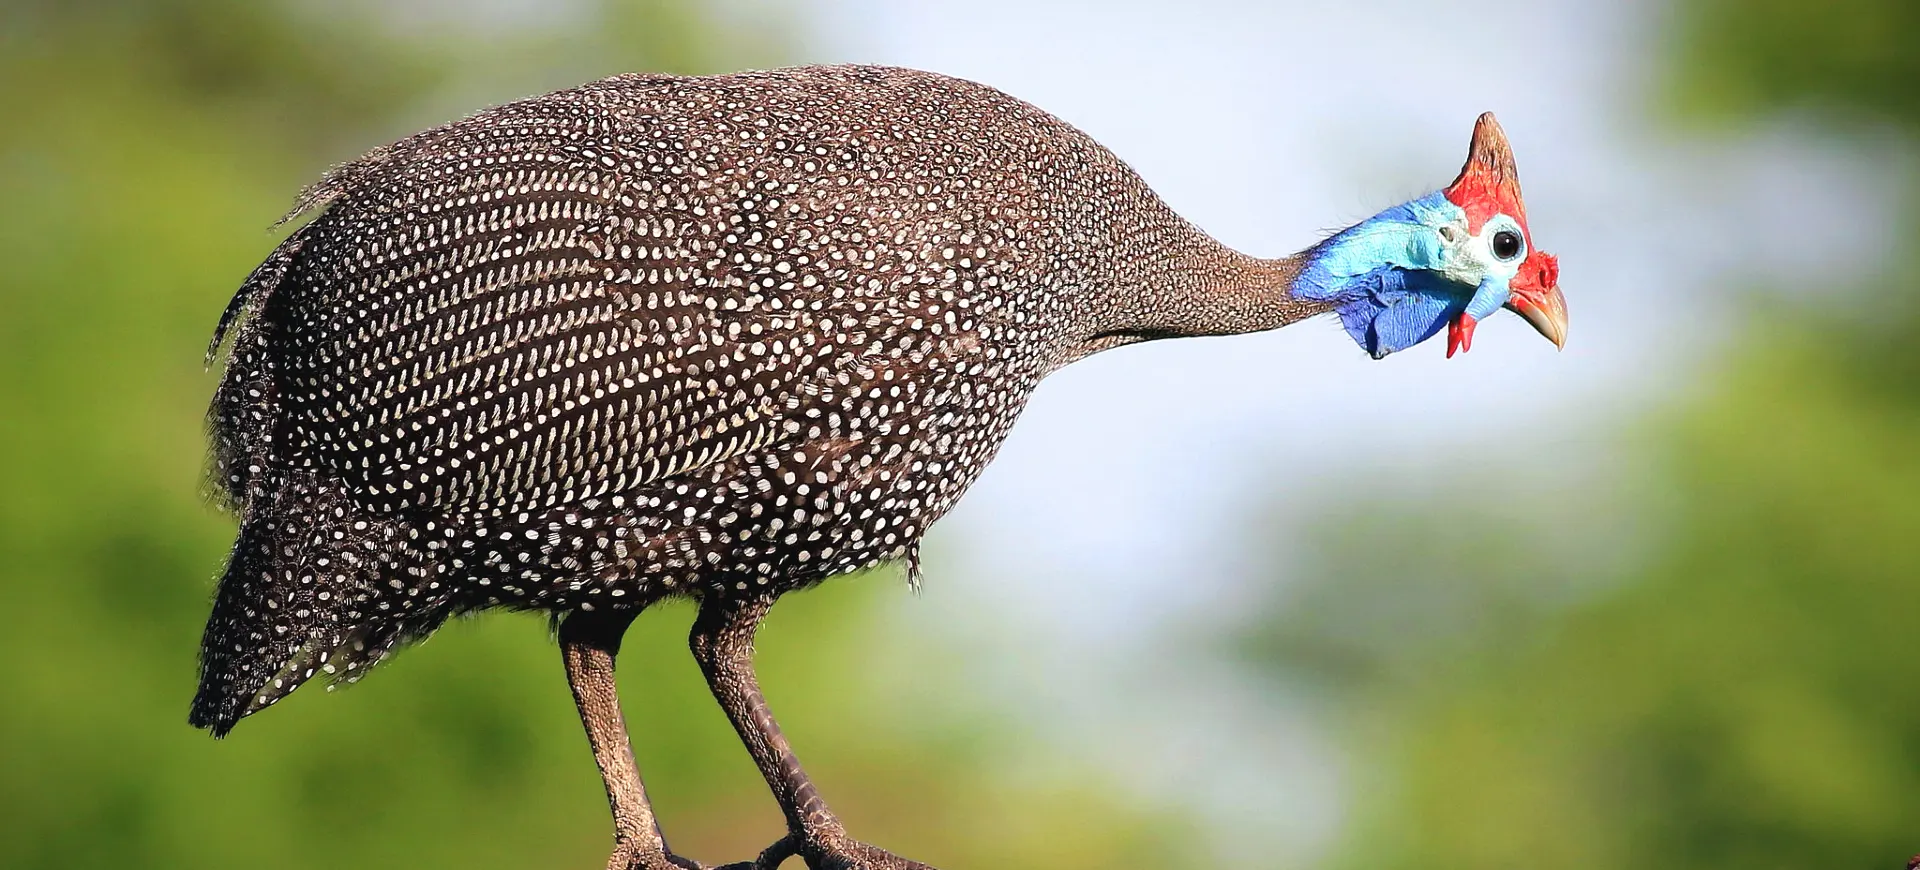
(1460, 334)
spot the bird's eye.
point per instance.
(1506, 244)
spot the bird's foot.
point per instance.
(832, 853)
(628, 856)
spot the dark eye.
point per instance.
(1506, 244)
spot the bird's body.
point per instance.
(719, 337)
(659, 335)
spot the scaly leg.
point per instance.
(589, 641)
(722, 642)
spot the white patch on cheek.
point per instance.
(1463, 256)
(1471, 261)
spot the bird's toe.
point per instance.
(627, 857)
(849, 854)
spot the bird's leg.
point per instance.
(723, 644)
(589, 641)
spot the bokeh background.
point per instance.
(1256, 602)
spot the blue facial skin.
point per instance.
(1385, 277)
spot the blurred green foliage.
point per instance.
(144, 147)
(1712, 665)
(1735, 59)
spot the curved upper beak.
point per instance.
(1546, 311)
(1536, 297)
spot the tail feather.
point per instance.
(308, 591)
(262, 617)
(240, 419)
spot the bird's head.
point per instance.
(1448, 259)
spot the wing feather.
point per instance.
(502, 316)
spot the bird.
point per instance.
(717, 338)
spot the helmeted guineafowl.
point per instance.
(717, 337)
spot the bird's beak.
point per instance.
(1546, 311)
(1536, 297)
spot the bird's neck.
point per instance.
(1205, 288)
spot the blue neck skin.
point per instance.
(1385, 276)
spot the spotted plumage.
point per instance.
(717, 337)
(652, 335)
